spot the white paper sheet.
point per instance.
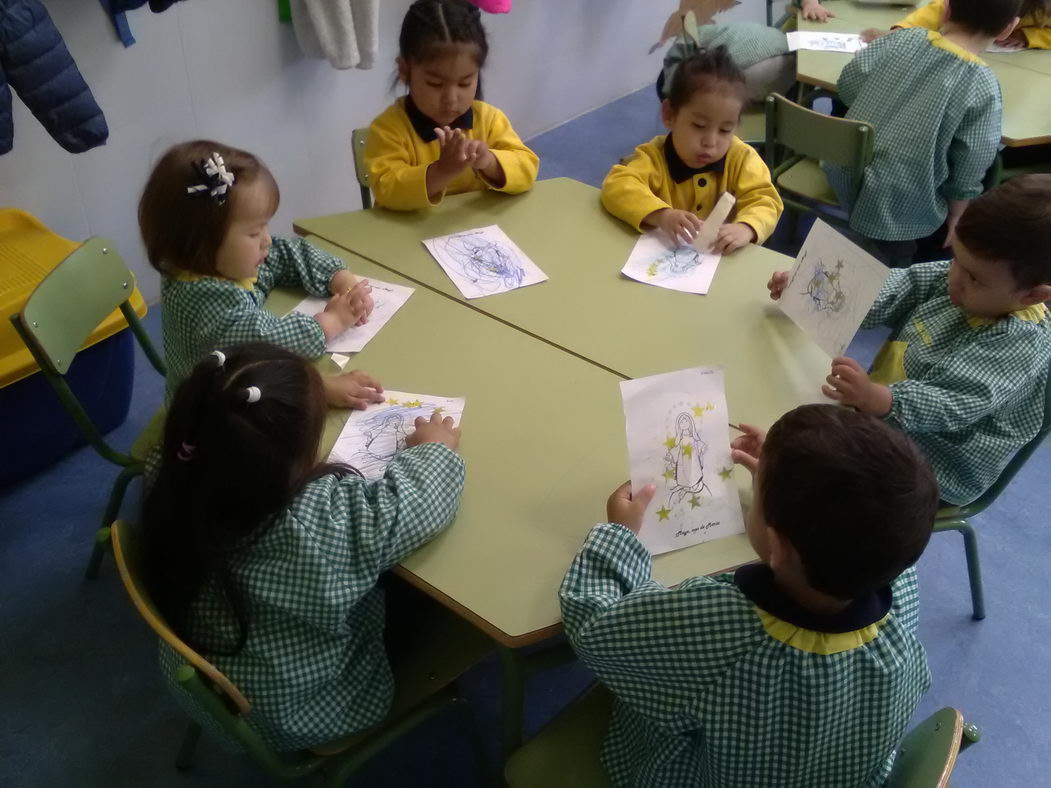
(484, 261)
(679, 440)
(372, 437)
(657, 261)
(825, 42)
(831, 288)
(996, 49)
(386, 299)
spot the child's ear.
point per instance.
(1036, 295)
(782, 554)
(667, 114)
(1009, 29)
(946, 13)
(403, 69)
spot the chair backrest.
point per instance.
(358, 138)
(927, 754)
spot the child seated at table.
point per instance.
(203, 218)
(803, 669)
(442, 138)
(965, 371)
(1033, 29)
(936, 109)
(674, 180)
(266, 561)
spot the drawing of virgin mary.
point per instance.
(686, 460)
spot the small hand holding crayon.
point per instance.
(745, 450)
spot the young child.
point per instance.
(674, 180)
(803, 669)
(1033, 29)
(965, 369)
(441, 138)
(936, 109)
(203, 217)
(266, 561)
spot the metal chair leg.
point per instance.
(474, 737)
(98, 552)
(184, 760)
(116, 498)
(974, 571)
(514, 689)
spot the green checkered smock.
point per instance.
(747, 43)
(202, 313)
(724, 682)
(314, 666)
(937, 113)
(969, 391)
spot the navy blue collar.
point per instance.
(425, 127)
(678, 169)
(756, 582)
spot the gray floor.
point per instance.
(80, 701)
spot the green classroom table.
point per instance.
(588, 309)
(1025, 77)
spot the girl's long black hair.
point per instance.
(433, 28)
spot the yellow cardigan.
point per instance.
(401, 145)
(1037, 33)
(647, 183)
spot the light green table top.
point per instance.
(1025, 77)
(589, 309)
(543, 439)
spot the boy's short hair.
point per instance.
(853, 496)
(1012, 224)
(989, 17)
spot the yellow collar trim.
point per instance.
(1037, 313)
(189, 276)
(940, 41)
(812, 642)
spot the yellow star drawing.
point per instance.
(688, 450)
(392, 401)
(670, 443)
(414, 404)
(698, 411)
(669, 474)
(651, 270)
(726, 473)
(663, 513)
(695, 502)
(439, 409)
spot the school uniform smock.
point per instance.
(725, 682)
(314, 666)
(937, 112)
(202, 313)
(1035, 29)
(968, 390)
(402, 145)
(655, 178)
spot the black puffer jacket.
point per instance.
(35, 62)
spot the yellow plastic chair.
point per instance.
(566, 751)
(358, 138)
(444, 647)
(55, 322)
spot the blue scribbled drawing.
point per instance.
(681, 261)
(489, 265)
(384, 436)
(825, 288)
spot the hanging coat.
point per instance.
(345, 32)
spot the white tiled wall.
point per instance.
(227, 69)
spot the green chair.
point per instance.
(798, 140)
(566, 751)
(443, 647)
(955, 518)
(358, 138)
(54, 323)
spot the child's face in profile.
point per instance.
(703, 128)
(247, 240)
(442, 88)
(984, 288)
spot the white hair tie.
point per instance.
(214, 179)
(253, 394)
(221, 356)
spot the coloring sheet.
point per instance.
(484, 261)
(679, 440)
(658, 261)
(386, 299)
(372, 437)
(825, 42)
(832, 288)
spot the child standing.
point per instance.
(1033, 29)
(203, 217)
(936, 109)
(441, 138)
(803, 669)
(965, 371)
(674, 180)
(266, 561)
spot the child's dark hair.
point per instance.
(185, 231)
(1038, 9)
(434, 28)
(707, 70)
(229, 466)
(853, 496)
(1012, 224)
(988, 17)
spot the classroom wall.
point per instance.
(227, 69)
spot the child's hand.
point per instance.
(777, 284)
(680, 226)
(1016, 40)
(350, 308)
(435, 430)
(849, 384)
(732, 237)
(621, 508)
(342, 281)
(812, 9)
(453, 157)
(870, 34)
(746, 449)
(355, 389)
(479, 157)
